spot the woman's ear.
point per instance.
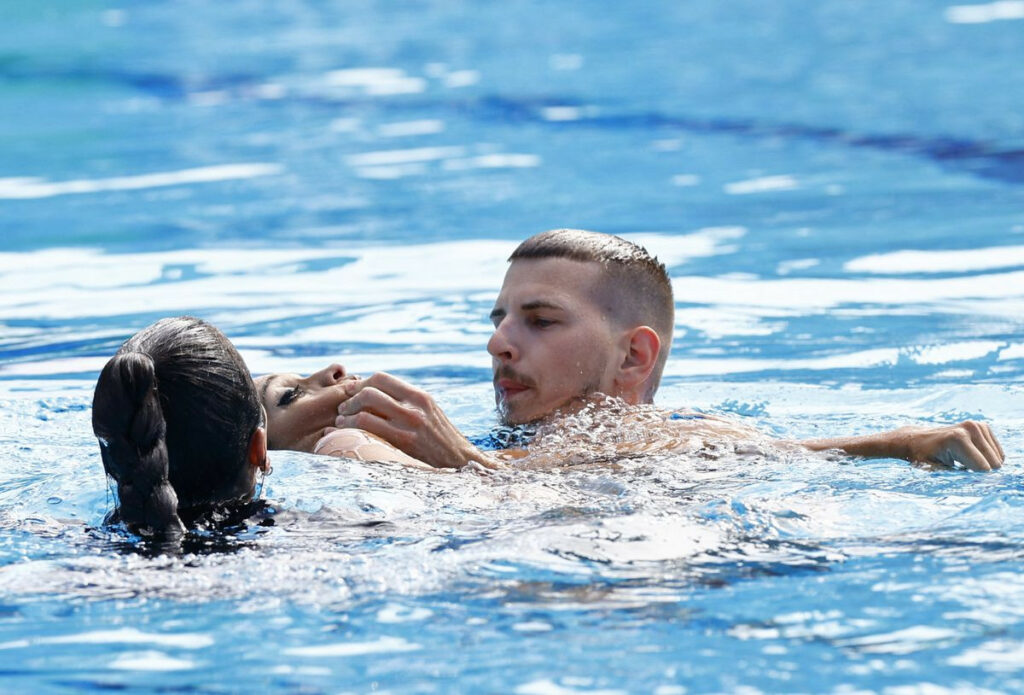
(258, 449)
(638, 364)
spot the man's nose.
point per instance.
(329, 375)
(502, 345)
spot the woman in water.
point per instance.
(182, 430)
(180, 426)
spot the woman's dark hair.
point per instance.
(175, 410)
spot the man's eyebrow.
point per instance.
(498, 312)
(266, 384)
(540, 304)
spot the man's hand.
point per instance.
(409, 419)
(969, 443)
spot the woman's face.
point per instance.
(299, 408)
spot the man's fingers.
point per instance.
(982, 439)
(964, 451)
(371, 400)
(407, 418)
(993, 442)
(988, 446)
(393, 386)
(374, 411)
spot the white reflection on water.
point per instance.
(762, 185)
(427, 126)
(807, 294)
(419, 154)
(376, 81)
(984, 13)
(952, 261)
(383, 645)
(28, 187)
(127, 635)
(425, 305)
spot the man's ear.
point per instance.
(641, 356)
(257, 456)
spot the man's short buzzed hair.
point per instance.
(636, 291)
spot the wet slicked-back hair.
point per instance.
(635, 291)
(174, 411)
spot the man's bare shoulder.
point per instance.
(605, 429)
(713, 423)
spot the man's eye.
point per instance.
(288, 396)
(541, 322)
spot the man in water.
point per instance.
(581, 314)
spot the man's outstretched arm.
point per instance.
(409, 419)
(969, 443)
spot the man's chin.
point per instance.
(511, 421)
(511, 416)
(506, 418)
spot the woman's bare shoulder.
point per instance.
(362, 446)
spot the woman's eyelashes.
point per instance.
(289, 396)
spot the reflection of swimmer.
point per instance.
(581, 314)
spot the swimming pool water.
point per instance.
(836, 189)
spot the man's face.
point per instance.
(552, 343)
(300, 408)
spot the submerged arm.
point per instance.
(969, 443)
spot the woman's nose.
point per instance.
(330, 375)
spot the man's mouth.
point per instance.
(508, 384)
(510, 387)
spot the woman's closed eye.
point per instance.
(289, 396)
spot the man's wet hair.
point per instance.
(636, 291)
(175, 410)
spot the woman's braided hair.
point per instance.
(174, 411)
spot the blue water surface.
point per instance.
(837, 189)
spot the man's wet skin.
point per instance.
(552, 346)
(555, 342)
(541, 318)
